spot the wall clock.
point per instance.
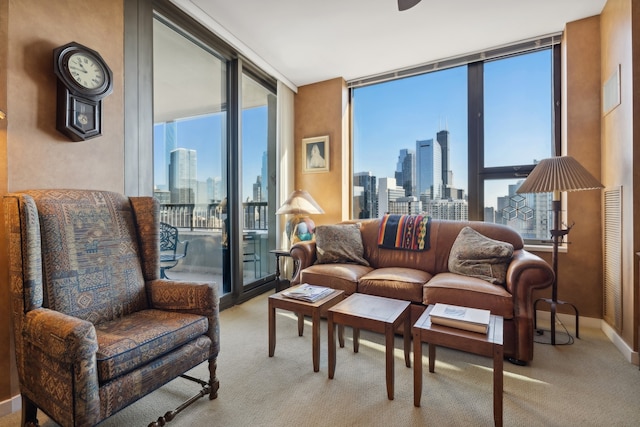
(84, 79)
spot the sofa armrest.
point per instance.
(303, 255)
(526, 273)
(64, 338)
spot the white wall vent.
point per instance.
(613, 257)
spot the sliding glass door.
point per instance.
(258, 136)
(212, 141)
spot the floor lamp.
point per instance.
(554, 175)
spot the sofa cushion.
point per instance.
(339, 244)
(395, 282)
(451, 288)
(476, 255)
(336, 276)
(133, 341)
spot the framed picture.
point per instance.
(315, 154)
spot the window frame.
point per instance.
(478, 173)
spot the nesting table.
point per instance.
(484, 345)
(302, 308)
(377, 314)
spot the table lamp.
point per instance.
(300, 227)
(553, 175)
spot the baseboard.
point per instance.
(591, 322)
(620, 344)
(10, 406)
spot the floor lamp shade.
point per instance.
(300, 204)
(557, 174)
(554, 175)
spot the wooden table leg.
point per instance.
(300, 324)
(356, 340)
(341, 335)
(389, 335)
(315, 326)
(272, 329)
(417, 369)
(407, 340)
(432, 357)
(332, 345)
(497, 384)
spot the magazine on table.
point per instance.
(470, 319)
(308, 293)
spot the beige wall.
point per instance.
(33, 154)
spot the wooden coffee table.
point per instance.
(377, 314)
(489, 345)
(302, 308)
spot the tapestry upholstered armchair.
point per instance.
(95, 326)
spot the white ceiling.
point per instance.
(306, 41)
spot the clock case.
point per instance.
(79, 109)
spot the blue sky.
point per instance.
(394, 115)
(205, 135)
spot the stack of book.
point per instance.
(469, 319)
(306, 292)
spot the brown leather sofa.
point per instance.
(424, 278)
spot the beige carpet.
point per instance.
(585, 384)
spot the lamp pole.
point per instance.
(557, 235)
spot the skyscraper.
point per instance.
(365, 199)
(388, 192)
(182, 175)
(429, 168)
(447, 175)
(170, 144)
(406, 171)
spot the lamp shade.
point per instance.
(299, 202)
(556, 174)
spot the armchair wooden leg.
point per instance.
(210, 388)
(213, 380)
(29, 413)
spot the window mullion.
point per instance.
(475, 134)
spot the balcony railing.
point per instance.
(211, 217)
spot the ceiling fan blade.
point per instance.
(406, 4)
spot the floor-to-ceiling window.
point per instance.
(257, 135)
(462, 134)
(213, 135)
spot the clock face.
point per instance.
(86, 70)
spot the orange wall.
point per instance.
(33, 154)
(580, 269)
(322, 109)
(619, 159)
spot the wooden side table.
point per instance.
(313, 309)
(373, 313)
(489, 345)
(279, 253)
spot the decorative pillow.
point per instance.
(476, 255)
(339, 244)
